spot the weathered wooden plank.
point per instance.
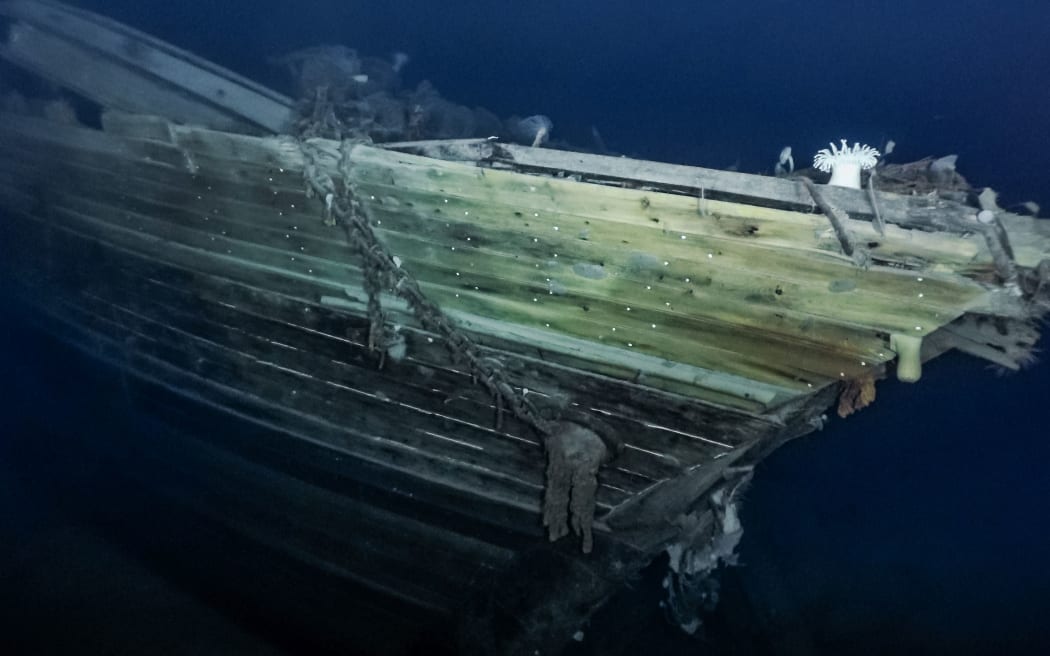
(281, 152)
(216, 225)
(928, 249)
(719, 221)
(220, 381)
(297, 285)
(462, 417)
(123, 68)
(493, 527)
(630, 410)
(337, 529)
(868, 358)
(605, 395)
(919, 242)
(731, 355)
(443, 432)
(639, 321)
(893, 306)
(318, 351)
(333, 527)
(337, 403)
(303, 269)
(850, 368)
(545, 208)
(697, 182)
(626, 214)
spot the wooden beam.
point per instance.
(122, 68)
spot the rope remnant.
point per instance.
(574, 454)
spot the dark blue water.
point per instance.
(919, 525)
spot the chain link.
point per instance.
(383, 272)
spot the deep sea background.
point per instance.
(919, 525)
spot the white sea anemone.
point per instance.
(845, 163)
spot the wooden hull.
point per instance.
(694, 319)
(395, 479)
(190, 263)
(207, 500)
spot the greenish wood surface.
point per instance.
(738, 293)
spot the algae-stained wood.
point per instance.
(726, 299)
(926, 213)
(153, 210)
(647, 272)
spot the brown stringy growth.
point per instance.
(574, 454)
(857, 393)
